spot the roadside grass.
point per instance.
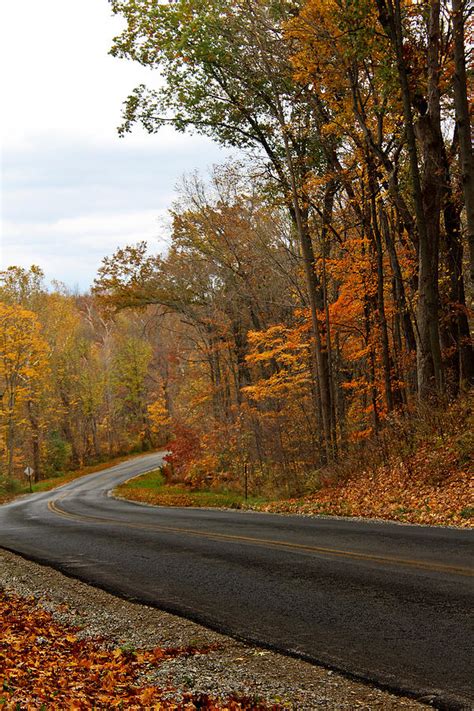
(151, 488)
(11, 490)
(390, 493)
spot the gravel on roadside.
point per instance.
(231, 668)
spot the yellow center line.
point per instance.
(320, 550)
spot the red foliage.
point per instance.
(183, 449)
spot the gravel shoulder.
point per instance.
(231, 668)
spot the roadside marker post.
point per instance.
(29, 471)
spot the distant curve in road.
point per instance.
(387, 603)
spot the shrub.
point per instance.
(58, 454)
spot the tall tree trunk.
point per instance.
(316, 306)
(243, 374)
(403, 321)
(463, 356)
(95, 438)
(428, 348)
(35, 439)
(328, 204)
(316, 302)
(215, 373)
(400, 294)
(10, 435)
(371, 363)
(68, 430)
(463, 125)
(428, 296)
(381, 317)
(299, 216)
(340, 395)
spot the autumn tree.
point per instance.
(129, 372)
(228, 74)
(75, 388)
(23, 353)
(369, 81)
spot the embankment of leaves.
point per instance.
(419, 470)
(47, 665)
(394, 493)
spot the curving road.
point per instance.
(384, 602)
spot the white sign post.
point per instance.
(29, 471)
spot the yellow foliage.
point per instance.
(158, 416)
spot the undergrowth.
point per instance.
(418, 469)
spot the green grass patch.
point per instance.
(151, 488)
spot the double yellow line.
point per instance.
(285, 545)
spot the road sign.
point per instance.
(29, 472)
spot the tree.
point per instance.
(388, 94)
(22, 286)
(463, 122)
(130, 367)
(23, 361)
(228, 74)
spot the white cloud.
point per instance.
(72, 191)
(71, 249)
(61, 77)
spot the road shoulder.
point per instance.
(232, 668)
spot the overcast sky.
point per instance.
(72, 190)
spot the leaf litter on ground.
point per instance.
(47, 665)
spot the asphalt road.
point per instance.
(384, 602)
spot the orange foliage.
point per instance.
(44, 663)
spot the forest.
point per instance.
(315, 304)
